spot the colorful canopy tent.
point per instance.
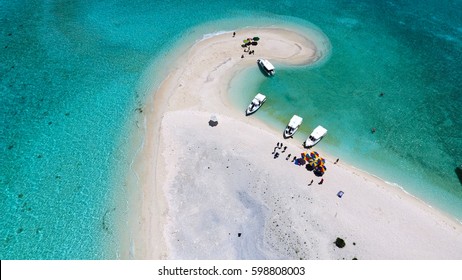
(315, 163)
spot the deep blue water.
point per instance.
(73, 74)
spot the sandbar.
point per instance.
(218, 193)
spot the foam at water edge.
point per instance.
(213, 34)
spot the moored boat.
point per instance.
(256, 103)
(293, 126)
(318, 133)
(266, 66)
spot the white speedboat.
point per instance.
(293, 126)
(266, 66)
(255, 104)
(315, 136)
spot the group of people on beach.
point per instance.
(284, 148)
(248, 50)
(279, 146)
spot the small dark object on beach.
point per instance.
(213, 121)
(285, 148)
(276, 155)
(339, 242)
(320, 182)
(288, 156)
(239, 234)
(336, 161)
(242, 56)
(234, 34)
(311, 183)
(294, 158)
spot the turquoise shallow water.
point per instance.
(74, 73)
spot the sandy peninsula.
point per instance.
(218, 193)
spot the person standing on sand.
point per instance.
(310, 183)
(336, 161)
(234, 34)
(320, 182)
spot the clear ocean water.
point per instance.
(73, 74)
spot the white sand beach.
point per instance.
(218, 193)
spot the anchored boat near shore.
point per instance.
(293, 126)
(266, 66)
(315, 136)
(256, 103)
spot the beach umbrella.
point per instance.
(312, 163)
(321, 168)
(318, 173)
(314, 155)
(246, 41)
(256, 38)
(309, 167)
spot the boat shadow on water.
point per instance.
(458, 171)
